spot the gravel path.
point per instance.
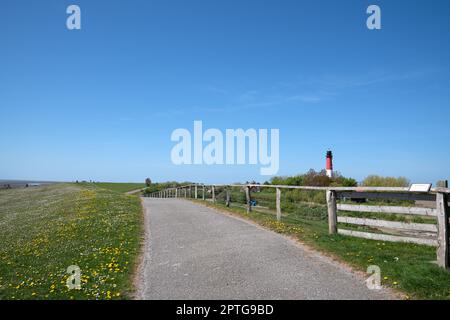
(195, 252)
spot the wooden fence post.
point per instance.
(332, 211)
(278, 204)
(443, 230)
(248, 199)
(196, 192)
(213, 193)
(176, 192)
(203, 195)
(228, 198)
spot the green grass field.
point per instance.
(120, 187)
(45, 230)
(406, 267)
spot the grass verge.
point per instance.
(45, 230)
(120, 187)
(409, 268)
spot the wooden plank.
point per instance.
(441, 190)
(388, 209)
(443, 233)
(387, 196)
(278, 204)
(213, 192)
(389, 224)
(332, 212)
(385, 237)
(203, 195)
(386, 190)
(358, 189)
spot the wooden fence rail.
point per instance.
(435, 233)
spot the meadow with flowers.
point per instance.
(45, 230)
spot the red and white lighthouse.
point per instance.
(329, 164)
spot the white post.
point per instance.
(332, 211)
(278, 204)
(248, 199)
(196, 191)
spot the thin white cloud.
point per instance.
(305, 91)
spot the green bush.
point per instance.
(379, 181)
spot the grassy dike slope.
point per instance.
(121, 187)
(45, 230)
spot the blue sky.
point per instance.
(101, 103)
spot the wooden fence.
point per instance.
(430, 234)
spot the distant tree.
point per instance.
(340, 181)
(148, 182)
(287, 181)
(348, 182)
(316, 179)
